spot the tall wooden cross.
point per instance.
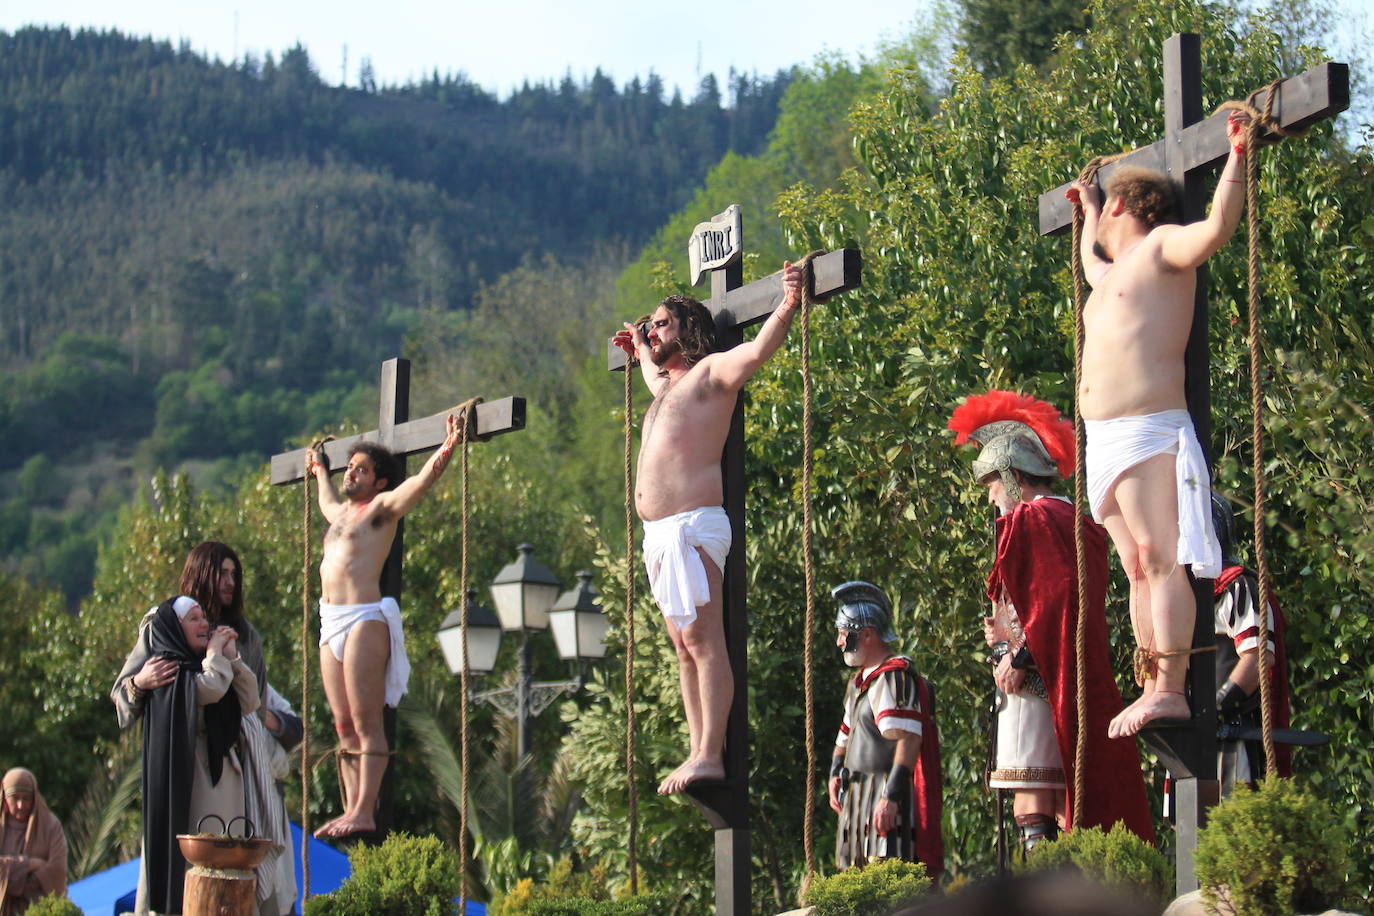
(404, 437)
(1192, 148)
(725, 805)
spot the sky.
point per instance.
(500, 43)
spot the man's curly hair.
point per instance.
(1148, 195)
(696, 327)
(385, 464)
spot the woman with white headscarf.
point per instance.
(190, 729)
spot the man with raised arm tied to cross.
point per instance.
(362, 650)
(1147, 475)
(679, 494)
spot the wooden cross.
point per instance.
(1191, 149)
(725, 805)
(403, 437)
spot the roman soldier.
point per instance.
(885, 781)
(1236, 592)
(1025, 447)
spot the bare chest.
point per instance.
(1135, 296)
(355, 531)
(678, 408)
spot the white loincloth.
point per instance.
(1117, 445)
(336, 620)
(676, 573)
(1027, 752)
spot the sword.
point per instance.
(1299, 737)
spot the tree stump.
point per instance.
(219, 892)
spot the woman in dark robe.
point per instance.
(191, 726)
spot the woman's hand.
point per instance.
(224, 640)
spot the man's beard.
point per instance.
(665, 351)
(348, 489)
(851, 659)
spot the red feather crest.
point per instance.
(1055, 433)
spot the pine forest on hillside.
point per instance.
(199, 261)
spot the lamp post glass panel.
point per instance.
(523, 592)
(578, 622)
(484, 631)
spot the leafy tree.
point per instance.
(1000, 35)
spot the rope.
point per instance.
(305, 673)
(630, 719)
(808, 651)
(1260, 121)
(1080, 638)
(468, 411)
(1144, 661)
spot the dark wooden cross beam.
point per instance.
(1191, 149)
(404, 437)
(725, 805)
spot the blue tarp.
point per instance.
(111, 892)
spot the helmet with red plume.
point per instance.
(1016, 432)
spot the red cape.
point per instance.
(1036, 567)
(1278, 673)
(927, 776)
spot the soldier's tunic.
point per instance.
(1027, 750)
(1237, 632)
(881, 698)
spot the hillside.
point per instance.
(199, 261)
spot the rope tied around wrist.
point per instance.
(468, 433)
(808, 565)
(1261, 120)
(315, 446)
(631, 722)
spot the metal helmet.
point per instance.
(1224, 524)
(1017, 433)
(863, 604)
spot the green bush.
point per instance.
(562, 883)
(405, 876)
(1118, 859)
(876, 888)
(1273, 852)
(54, 905)
(641, 905)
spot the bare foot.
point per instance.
(662, 790)
(346, 825)
(694, 770)
(1162, 704)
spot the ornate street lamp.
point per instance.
(523, 592)
(485, 642)
(579, 625)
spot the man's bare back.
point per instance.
(1136, 326)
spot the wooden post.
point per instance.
(1192, 147)
(725, 804)
(219, 892)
